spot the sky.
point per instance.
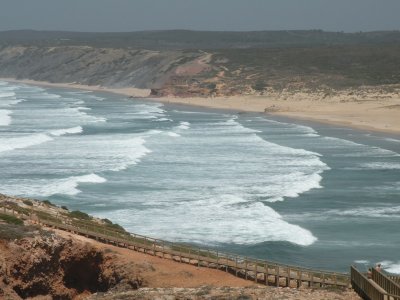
(221, 15)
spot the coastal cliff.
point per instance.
(206, 64)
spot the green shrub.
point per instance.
(11, 219)
(113, 226)
(27, 202)
(259, 86)
(48, 203)
(79, 215)
(116, 227)
(64, 207)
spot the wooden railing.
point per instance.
(261, 271)
(394, 278)
(364, 287)
(377, 288)
(386, 283)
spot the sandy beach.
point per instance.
(367, 109)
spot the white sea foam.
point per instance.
(354, 149)
(361, 261)
(74, 113)
(96, 97)
(7, 94)
(9, 88)
(134, 151)
(184, 126)
(390, 212)
(392, 140)
(45, 95)
(236, 127)
(148, 111)
(195, 112)
(173, 134)
(390, 266)
(370, 212)
(5, 118)
(10, 102)
(237, 173)
(220, 223)
(298, 129)
(60, 132)
(65, 186)
(290, 185)
(9, 144)
(381, 166)
(83, 108)
(164, 120)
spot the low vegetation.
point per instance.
(10, 232)
(79, 215)
(10, 219)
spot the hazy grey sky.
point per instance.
(133, 15)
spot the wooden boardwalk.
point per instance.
(260, 271)
(379, 287)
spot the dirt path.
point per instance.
(164, 273)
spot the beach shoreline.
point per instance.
(372, 111)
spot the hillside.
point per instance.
(184, 63)
(206, 40)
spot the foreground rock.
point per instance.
(42, 263)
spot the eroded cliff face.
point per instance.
(93, 66)
(213, 72)
(42, 263)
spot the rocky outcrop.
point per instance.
(50, 265)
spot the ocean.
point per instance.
(273, 188)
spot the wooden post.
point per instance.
(255, 272)
(311, 284)
(323, 280)
(163, 249)
(266, 273)
(288, 277)
(299, 279)
(198, 257)
(245, 267)
(227, 260)
(236, 266)
(277, 275)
